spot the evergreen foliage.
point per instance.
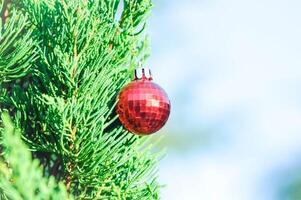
(62, 64)
(21, 178)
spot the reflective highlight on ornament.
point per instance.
(143, 106)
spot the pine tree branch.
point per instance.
(19, 168)
(16, 48)
(68, 108)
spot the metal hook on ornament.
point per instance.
(143, 73)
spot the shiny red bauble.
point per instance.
(143, 106)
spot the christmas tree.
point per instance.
(62, 64)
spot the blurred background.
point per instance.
(232, 69)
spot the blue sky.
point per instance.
(233, 67)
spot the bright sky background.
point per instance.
(232, 67)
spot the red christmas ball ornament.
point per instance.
(143, 106)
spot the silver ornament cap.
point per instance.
(143, 73)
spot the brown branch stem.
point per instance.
(55, 168)
(70, 165)
(4, 11)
